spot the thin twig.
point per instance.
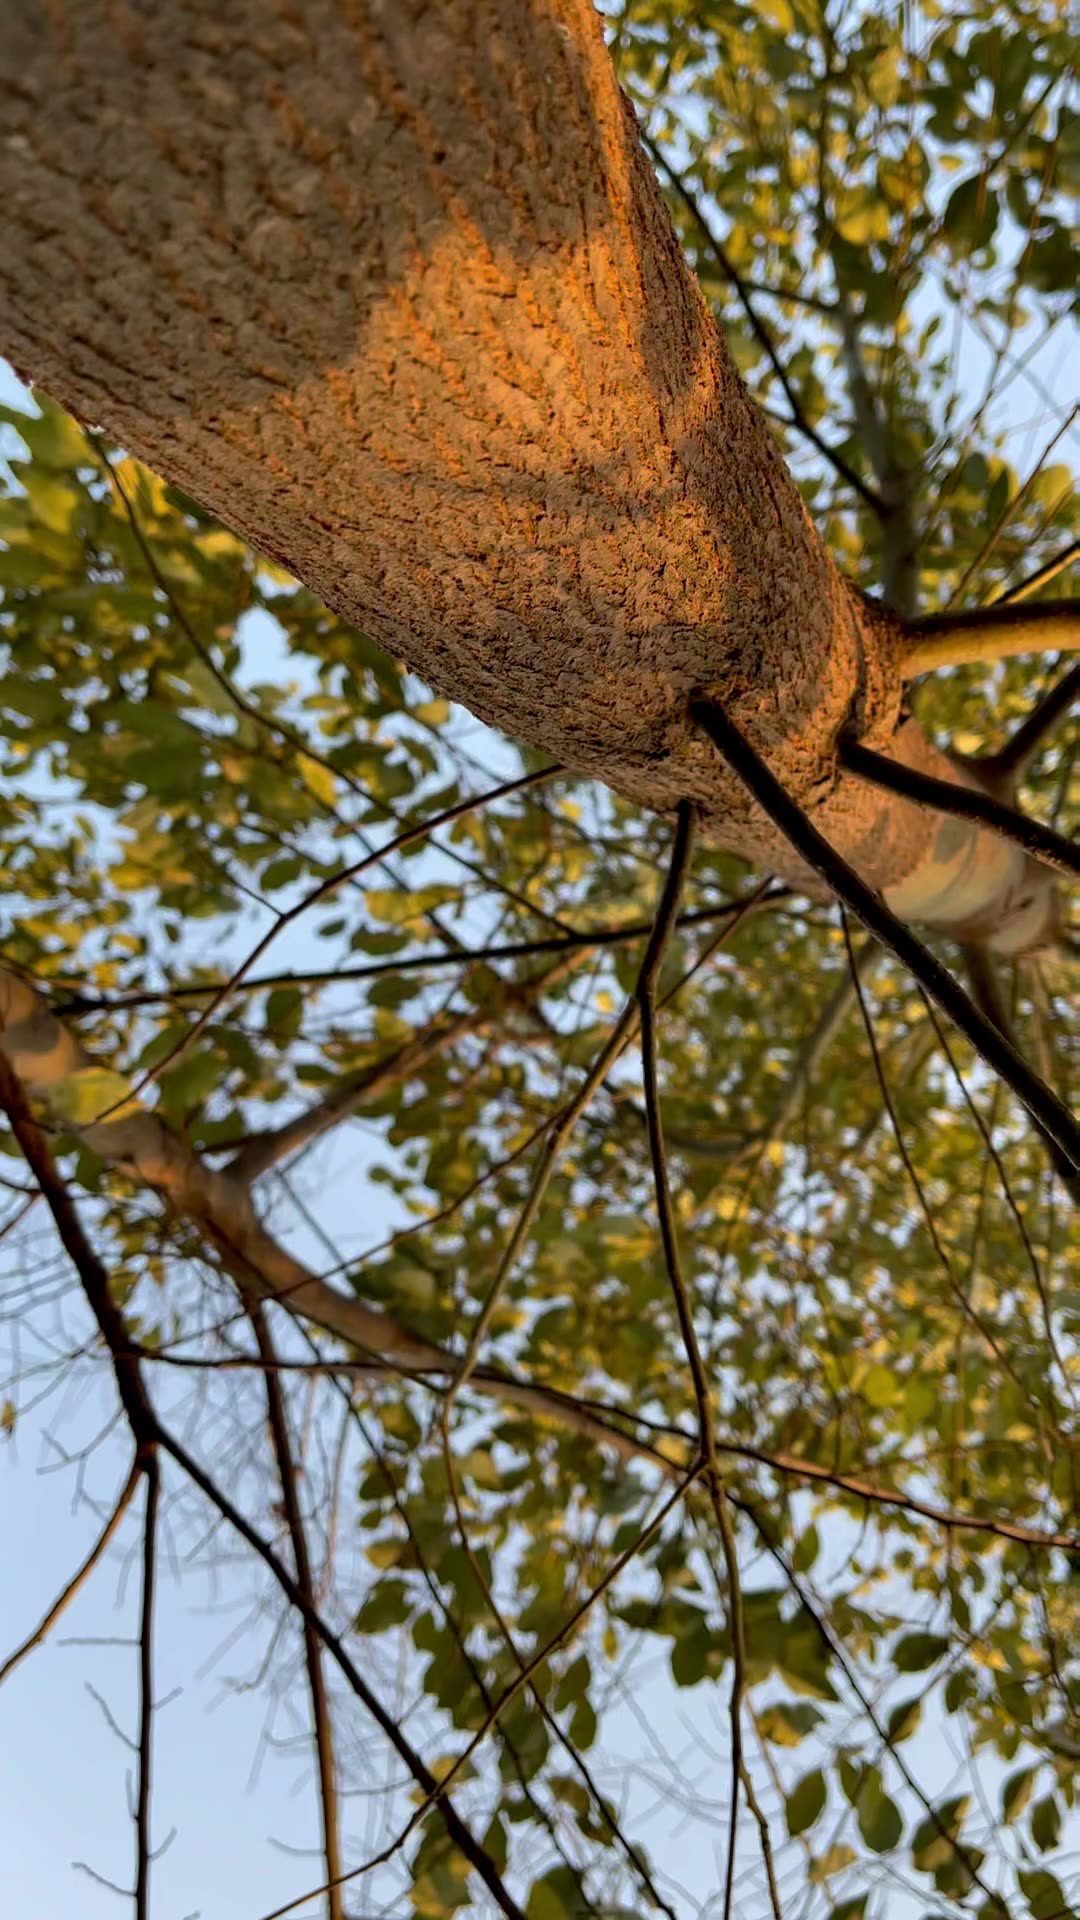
(322, 1723)
(418, 831)
(877, 918)
(149, 1434)
(75, 1001)
(758, 328)
(1010, 507)
(1043, 843)
(67, 1594)
(1013, 759)
(438, 1790)
(1021, 1227)
(152, 1477)
(646, 994)
(435, 1791)
(1041, 577)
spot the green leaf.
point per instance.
(879, 1818)
(1016, 1792)
(903, 1721)
(805, 1803)
(971, 215)
(1045, 1895)
(86, 1096)
(1046, 1823)
(788, 1722)
(881, 1387)
(914, 1651)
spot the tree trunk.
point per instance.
(391, 289)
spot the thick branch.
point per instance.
(980, 635)
(475, 401)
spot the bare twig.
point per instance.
(878, 919)
(322, 1723)
(78, 1579)
(1010, 507)
(152, 1477)
(1041, 577)
(407, 836)
(758, 328)
(560, 1638)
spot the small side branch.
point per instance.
(1014, 758)
(143, 1856)
(950, 796)
(761, 333)
(646, 993)
(1041, 577)
(868, 907)
(981, 635)
(78, 1579)
(322, 1723)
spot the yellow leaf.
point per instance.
(318, 780)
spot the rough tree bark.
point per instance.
(392, 290)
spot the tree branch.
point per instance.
(261, 1151)
(152, 1476)
(899, 534)
(1041, 577)
(646, 993)
(878, 919)
(1013, 759)
(966, 803)
(980, 635)
(79, 1578)
(322, 1723)
(72, 1002)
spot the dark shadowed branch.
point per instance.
(879, 919)
(965, 803)
(646, 995)
(321, 1721)
(78, 1579)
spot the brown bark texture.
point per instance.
(390, 287)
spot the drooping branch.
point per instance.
(981, 635)
(965, 803)
(877, 918)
